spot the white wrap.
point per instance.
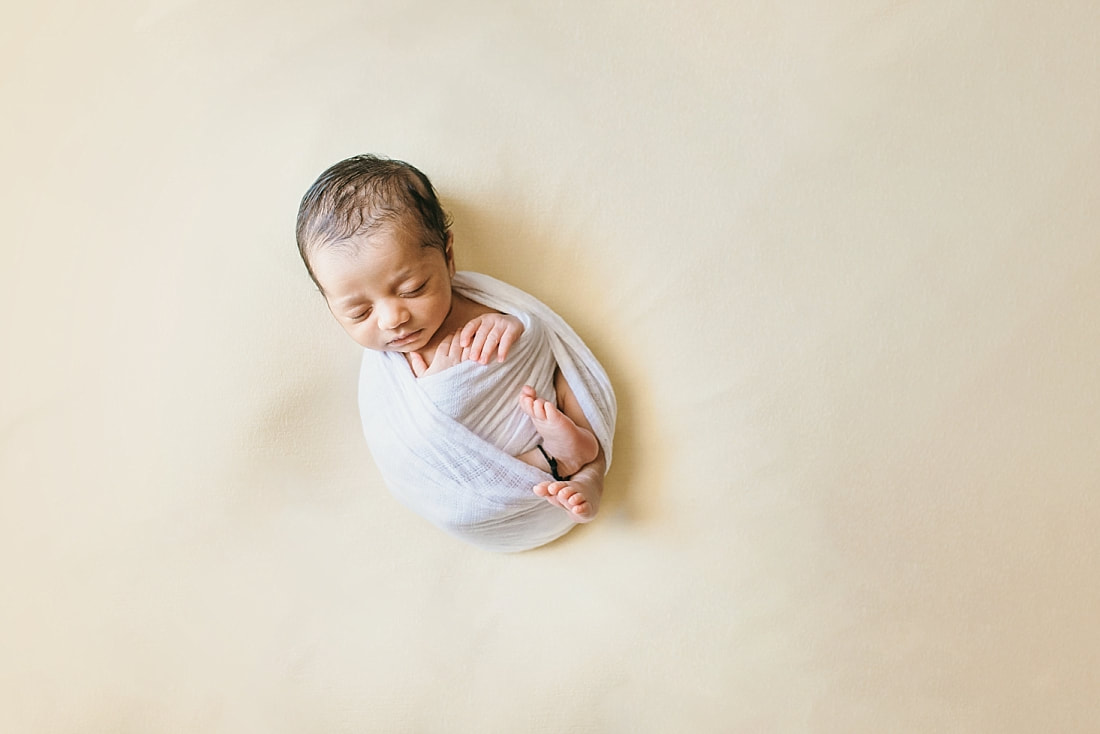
(469, 484)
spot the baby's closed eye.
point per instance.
(360, 315)
(415, 291)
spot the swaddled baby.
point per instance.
(483, 409)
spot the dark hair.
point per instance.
(361, 193)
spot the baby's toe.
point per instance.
(566, 494)
(542, 489)
(555, 488)
(550, 410)
(538, 409)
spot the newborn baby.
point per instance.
(463, 395)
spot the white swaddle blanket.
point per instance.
(445, 443)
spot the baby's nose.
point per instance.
(393, 316)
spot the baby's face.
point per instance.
(389, 291)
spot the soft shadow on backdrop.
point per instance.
(841, 263)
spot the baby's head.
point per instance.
(377, 244)
(357, 196)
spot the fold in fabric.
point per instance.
(444, 443)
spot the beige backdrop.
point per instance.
(841, 260)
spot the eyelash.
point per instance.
(408, 294)
(415, 290)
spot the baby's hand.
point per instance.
(447, 355)
(488, 334)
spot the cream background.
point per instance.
(840, 259)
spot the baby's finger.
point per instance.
(491, 340)
(419, 366)
(468, 331)
(455, 351)
(478, 343)
(507, 339)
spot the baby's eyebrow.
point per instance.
(350, 302)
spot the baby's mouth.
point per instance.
(403, 340)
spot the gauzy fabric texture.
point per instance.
(484, 397)
(445, 444)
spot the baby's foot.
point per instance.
(569, 444)
(580, 496)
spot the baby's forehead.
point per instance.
(405, 228)
(377, 234)
(385, 239)
(378, 260)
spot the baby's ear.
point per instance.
(449, 252)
